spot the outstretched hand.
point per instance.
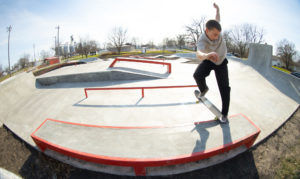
(216, 6)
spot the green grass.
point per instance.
(186, 51)
(160, 52)
(290, 166)
(79, 57)
(13, 74)
(4, 78)
(130, 53)
(282, 69)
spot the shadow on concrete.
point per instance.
(87, 84)
(160, 75)
(136, 105)
(226, 133)
(201, 128)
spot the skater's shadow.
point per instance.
(204, 132)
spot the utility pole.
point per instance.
(58, 40)
(34, 53)
(8, 30)
(55, 50)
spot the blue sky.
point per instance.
(34, 21)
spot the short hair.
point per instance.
(213, 24)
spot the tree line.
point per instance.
(237, 41)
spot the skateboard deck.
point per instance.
(210, 106)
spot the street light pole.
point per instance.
(55, 49)
(8, 30)
(58, 40)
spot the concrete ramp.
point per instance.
(114, 75)
(15, 92)
(143, 147)
(260, 58)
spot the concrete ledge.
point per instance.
(94, 77)
(129, 146)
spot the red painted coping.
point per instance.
(138, 164)
(134, 88)
(140, 61)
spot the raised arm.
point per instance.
(217, 12)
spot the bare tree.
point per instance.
(170, 43)
(44, 54)
(244, 34)
(286, 51)
(88, 47)
(134, 42)
(1, 70)
(79, 48)
(24, 61)
(180, 41)
(195, 30)
(151, 44)
(117, 38)
(228, 40)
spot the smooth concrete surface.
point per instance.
(165, 142)
(267, 98)
(94, 76)
(260, 59)
(4, 174)
(93, 72)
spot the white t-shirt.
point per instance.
(206, 45)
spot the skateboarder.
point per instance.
(211, 50)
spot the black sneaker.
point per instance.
(223, 119)
(204, 92)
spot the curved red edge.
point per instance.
(140, 164)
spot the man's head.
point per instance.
(213, 29)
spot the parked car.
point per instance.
(237, 55)
(297, 74)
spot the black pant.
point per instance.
(221, 72)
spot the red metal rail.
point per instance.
(140, 164)
(136, 88)
(140, 61)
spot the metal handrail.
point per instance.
(134, 88)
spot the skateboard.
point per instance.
(210, 106)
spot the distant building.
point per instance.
(66, 49)
(276, 61)
(72, 49)
(52, 60)
(295, 66)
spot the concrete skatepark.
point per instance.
(160, 123)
